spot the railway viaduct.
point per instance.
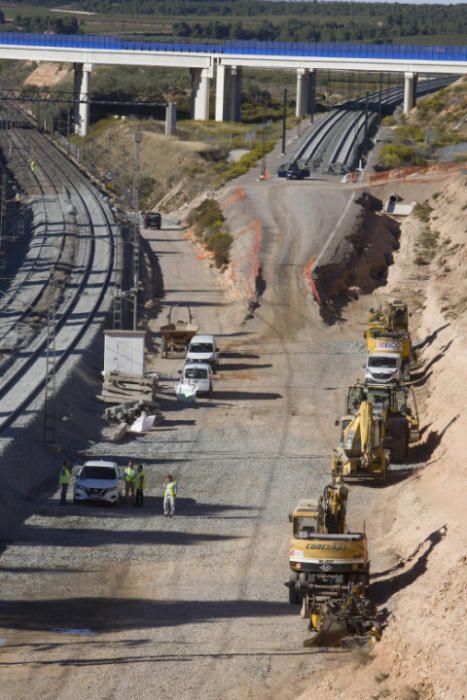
(225, 62)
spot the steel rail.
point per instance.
(65, 326)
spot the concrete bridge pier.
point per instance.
(228, 93)
(235, 93)
(200, 78)
(306, 86)
(410, 91)
(81, 108)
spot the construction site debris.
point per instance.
(133, 398)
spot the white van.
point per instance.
(198, 374)
(203, 348)
(383, 368)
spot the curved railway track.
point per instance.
(336, 142)
(75, 281)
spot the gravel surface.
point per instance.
(108, 603)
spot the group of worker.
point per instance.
(135, 484)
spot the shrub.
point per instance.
(396, 156)
(408, 134)
(422, 210)
(207, 221)
(219, 243)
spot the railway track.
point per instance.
(66, 278)
(337, 141)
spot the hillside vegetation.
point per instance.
(438, 120)
(260, 19)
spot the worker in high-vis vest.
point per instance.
(64, 480)
(129, 477)
(140, 483)
(170, 493)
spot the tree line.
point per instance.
(266, 20)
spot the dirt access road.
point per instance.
(101, 603)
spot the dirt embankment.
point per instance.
(368, 251)
(418, 524)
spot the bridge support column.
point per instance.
(235, 93)
(82, 81)
(301, 104)
(200, 95)
(306, 88)
(410, 90)
(311, 96)
(170, 119)
(222, 92)
(228, 93)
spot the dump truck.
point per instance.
(398, 406)
(176, 334)
(361, 450)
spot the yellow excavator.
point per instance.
(328, 565)
(361, 450)
(398, 406)
(394, 318)
(311, 522)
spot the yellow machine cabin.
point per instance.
(322, 562)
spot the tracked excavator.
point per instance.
(329, 567)
(361, 451)
(395, 403)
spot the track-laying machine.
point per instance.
(316, 525)
(397, 406)
(361, 451)
(329, 567)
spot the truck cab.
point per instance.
(383, 368)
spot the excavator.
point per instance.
(313, 522)
(398, 406)
(330, 567)
(395, 318)
(361, 450)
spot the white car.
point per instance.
(97, 481)
(383, 367)
(198, 375)
(203, 348)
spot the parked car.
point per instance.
(297, 171)
(203, 348)
(199, 375)
(97, 481)
(152, 219)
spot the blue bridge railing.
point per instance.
(263, 48)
